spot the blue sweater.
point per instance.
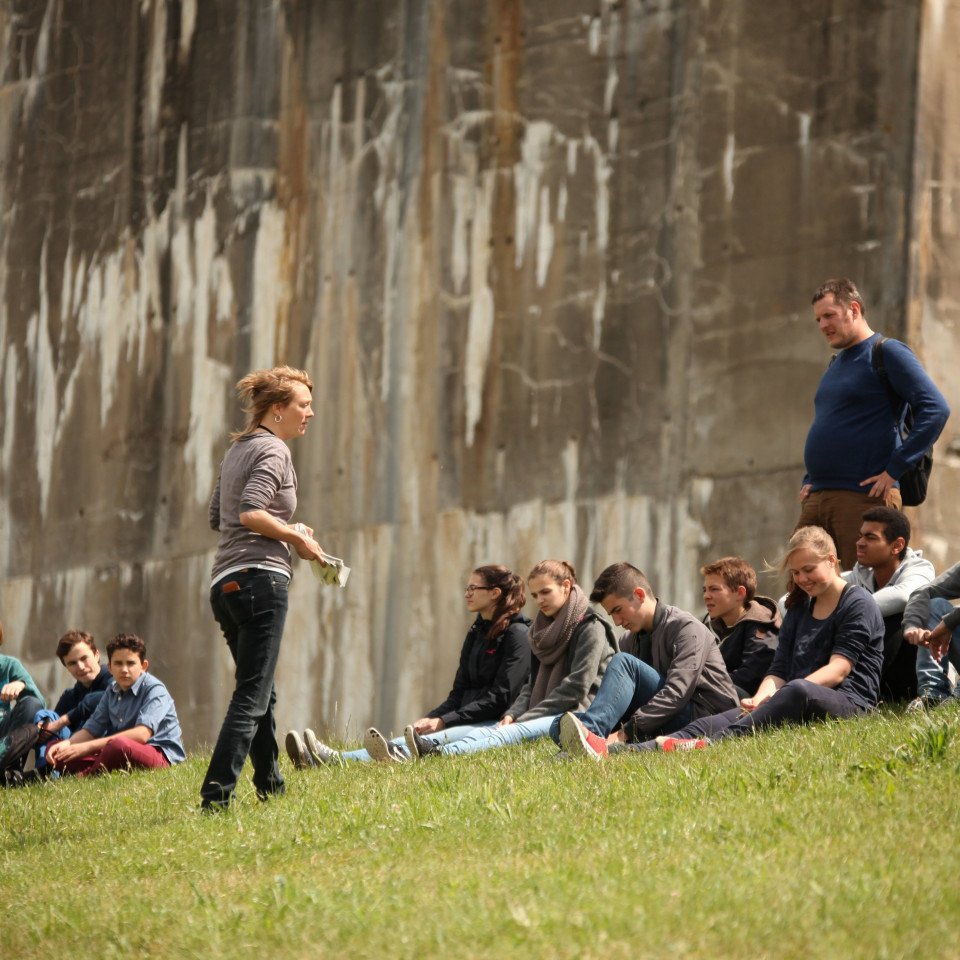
(854, 435)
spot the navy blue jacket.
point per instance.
(79, 702)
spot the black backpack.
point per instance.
(913, 484)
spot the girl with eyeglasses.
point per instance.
(494, 663)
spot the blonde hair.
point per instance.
(261, 389)
(811, 538)
(820, 543)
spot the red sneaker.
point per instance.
(672, 744)
(578, 741)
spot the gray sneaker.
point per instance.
(926, 701)
(319, 752)
(381, 749)
(418, 746)
(296, 751)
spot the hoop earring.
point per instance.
(277, 418)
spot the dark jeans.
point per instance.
(13, 738)
(798, 701)
(250, 606)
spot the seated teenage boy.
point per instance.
(828, 657)
(670, 673)
(932, 623)
(77, 651)
(746, 626)
(134, 725)
(889, 569)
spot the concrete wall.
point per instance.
(549, 263)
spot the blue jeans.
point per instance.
(447, 735)
(62, 734)
(251, 618)
(628, 683)
(494, 737)
(932, 680)
(23, 711)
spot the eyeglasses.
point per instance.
(470, 587)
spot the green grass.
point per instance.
(836, 841)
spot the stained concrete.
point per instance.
(549, 264)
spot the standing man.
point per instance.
(854, 455)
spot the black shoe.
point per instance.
(418, 746)
(12, 778)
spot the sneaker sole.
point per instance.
(296, 751)
(376, 745)
(573, 738)
(411, 741)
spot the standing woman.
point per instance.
(252, 504)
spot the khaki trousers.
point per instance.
(840, 513)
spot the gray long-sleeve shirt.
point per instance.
(591, 649)
(913, 573)
(256, 474)
(685, 653)
(947, 586)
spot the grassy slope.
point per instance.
(836, 841)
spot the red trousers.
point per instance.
(121, 753)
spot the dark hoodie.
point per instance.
(748, 646)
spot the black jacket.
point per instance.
(747, 648)
(490, 674)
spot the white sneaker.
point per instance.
(923, 703)
(319, 752)
(381, 749)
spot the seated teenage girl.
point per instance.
(494, 663)
(571, 648)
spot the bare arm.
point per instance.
(769, 685)
(836, 670)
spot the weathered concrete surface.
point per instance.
(548, 262)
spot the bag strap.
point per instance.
(897, 404)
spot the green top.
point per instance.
(12, 669)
